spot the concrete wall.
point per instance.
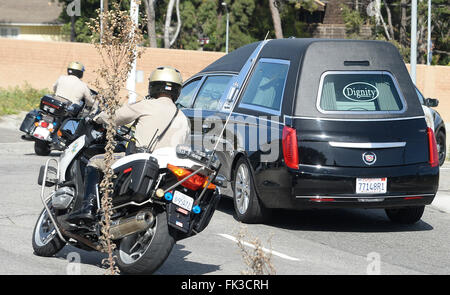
(434, 82)
(40, 64)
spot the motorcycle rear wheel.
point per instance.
(149, 257)
(42, 148)
(46, 241)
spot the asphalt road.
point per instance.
(307, 242)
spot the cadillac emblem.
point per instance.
(369, 158)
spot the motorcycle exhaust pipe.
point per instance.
(129, 225)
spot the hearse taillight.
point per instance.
(290, 147)
(432, 148)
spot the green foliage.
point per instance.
(251, 20)
(16, 99)
(353, 21)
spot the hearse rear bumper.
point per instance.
(335, 187)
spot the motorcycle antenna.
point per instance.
(234, 96)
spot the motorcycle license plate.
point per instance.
(41, 133)
(371, 185)
(182, 200)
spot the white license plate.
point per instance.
(182, 200)
(371, 185)
(41, 133)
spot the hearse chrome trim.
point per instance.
(394, 80)
(356, 120)
(367, 145)
(363, 197)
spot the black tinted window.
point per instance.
(266, 85)
(187, 92)
(359, 92)
(211, 92)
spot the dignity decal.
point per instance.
(360, 91)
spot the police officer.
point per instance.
(70, 88)
(154, 117)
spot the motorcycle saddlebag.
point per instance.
(27, 125)
(52, 106)
(135, 180)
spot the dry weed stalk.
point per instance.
(117, 50)
(257, 260)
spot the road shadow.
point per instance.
(86, 257)
(177, 264)
(332, 220)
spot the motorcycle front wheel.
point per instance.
(145, 252)
(46, 241)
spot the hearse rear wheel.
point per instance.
(406, 215)
(247, 205)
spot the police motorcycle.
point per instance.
(42, 125)
(159, 198)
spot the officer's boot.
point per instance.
(88, 207)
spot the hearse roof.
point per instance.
(310, 58)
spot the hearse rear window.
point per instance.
(359, 92)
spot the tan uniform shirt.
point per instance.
(73, 89)
(153, 115)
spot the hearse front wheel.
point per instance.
(248, 207)
(407, 215)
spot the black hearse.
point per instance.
(316, 123)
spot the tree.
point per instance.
(167, 40)
(151, 24)
(276, 19)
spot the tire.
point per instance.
(407, 215)
(442, 148)
(41, 148)
(247, 205)
(155, 253)
(41, 230)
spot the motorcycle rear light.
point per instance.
(432, 148)
(193, 183)
(290, 147)
(44, 124)
(127, 170)
(51, 105)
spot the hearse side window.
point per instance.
(187, 93)
(211, 92)
(264, 92)
(359, 92)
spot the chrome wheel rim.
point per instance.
(242, 188)
(131, 250)
(45, 231)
